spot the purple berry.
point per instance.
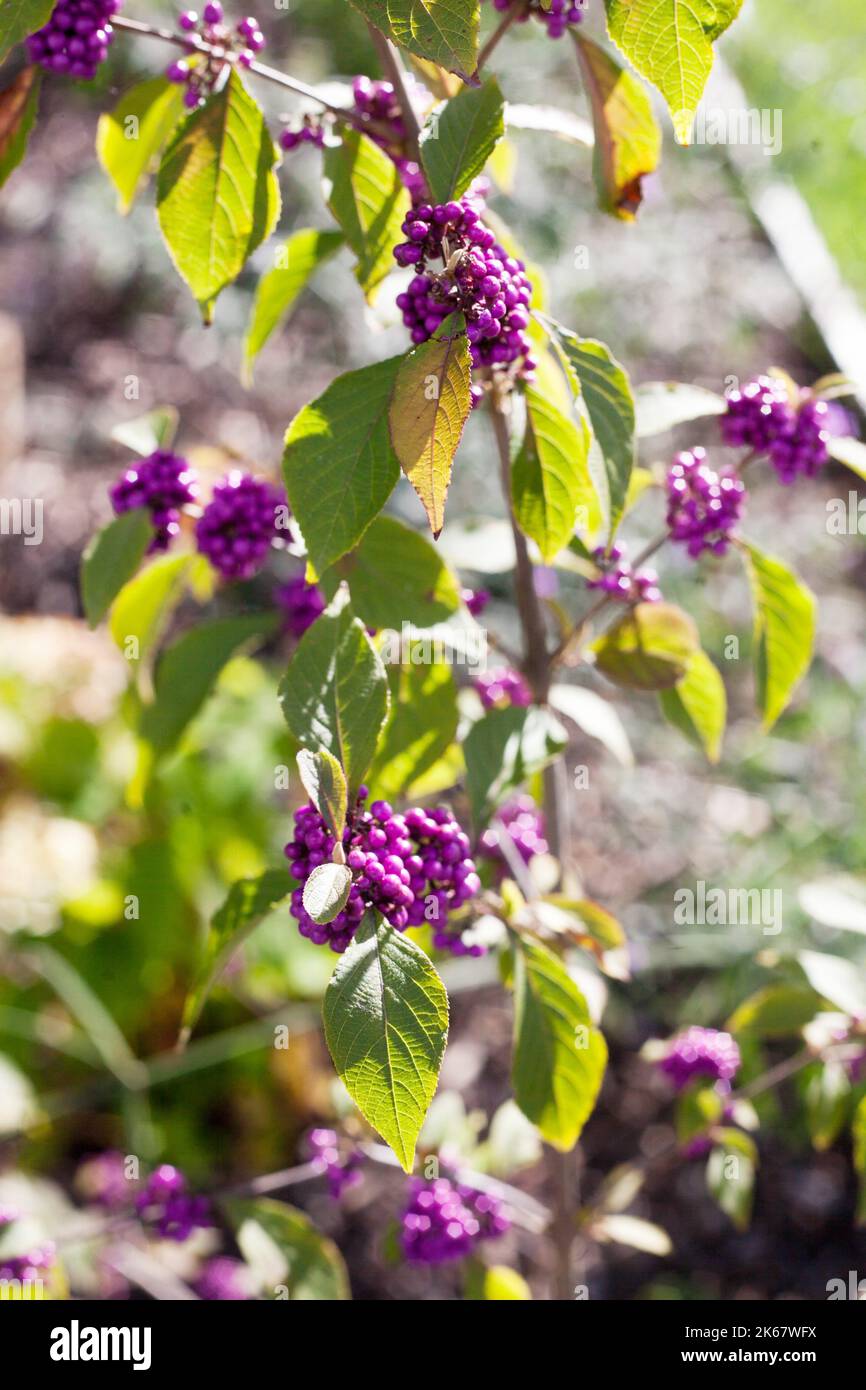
(301, 603)
(224, 1279)
(617, 579)
(76, 38)
(340, 1165)
(239, 523)
(701, 1052)
(703, 506)
(445, 1221)
(523, 822)
(166, 1205)
(164, 483)
(503, 687)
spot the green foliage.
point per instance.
(326, 892)
(422, 726)
(785, 615)
(777, 1011)
(217, 193)
(386, 1022)
(550, 480)
(459, 138)
(186, 673)
(296, 263)
(628, 142)
(444, 31)
(338, 465)
(110, 560)
(697, 705)
(144, 605)
(670, 42)
(503, 750)
(19, 103)
(248, 902)
(365, 193)
(308, 1264)
(396, 576)
(334, 694)
(559, 1054)
(130, 138)
(731, 1175)
(18, 18)
(650, 648)
(325, 785)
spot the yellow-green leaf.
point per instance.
(550, 479)
(429, 409)
(129, 138)
(648, 649)
(670, 42)
(365, 193)
(785, 614)
(628, 142)
(277, 290)
(697, 705)
(217, 193)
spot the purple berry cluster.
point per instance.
(342, 1170)
(102, 1179)
(30, 1266)
(76, 38)
(237, 526)
(444, 1220)
(167, 1206)
(310, 132)
(617, 578)
(794, 433)
(301, 604)
(378, 108)
(478, 278)
(476, 600)
(523, 823)
(224, 1280)
(163, 483)
(701, 1052)
(239, 47)
(559, 15)
(409, 868)
(703, 506)
(503, 687)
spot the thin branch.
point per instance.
(392, 65)
(499, 32)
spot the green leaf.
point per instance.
(699, 1110)
(850, 452)
(296, 263)
(697, 705)
(19, 103)
(143, 606)
(670, 42)
(249, 900)
(550, 479)
(495, 1283)
(285, 1245)
(326, 892)
(217, 193)
(503, 750)
(628, 142)
(334, 694)
(459, 137)
(131, 136)
(650, 648)
(365, 193)
(559, 1054)
(662, 405)
(443, 31)
(731, 1175)
(597, 928)
(858, 1135)
(325, 784)
(146, 433)
(837, 980)
(603, 385)
(111, 558)
(386, 1023)
(422, 727)
(19, 19)
(429, 409)
(785, 613)
(828, 1093)
(777, 1011)
(396, 576)
(187, 672)
(338, 465)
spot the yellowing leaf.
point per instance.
(628, 141)
(429, 409)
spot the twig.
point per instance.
(396, 73)
(499, 32)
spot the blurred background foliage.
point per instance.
(694, 292)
